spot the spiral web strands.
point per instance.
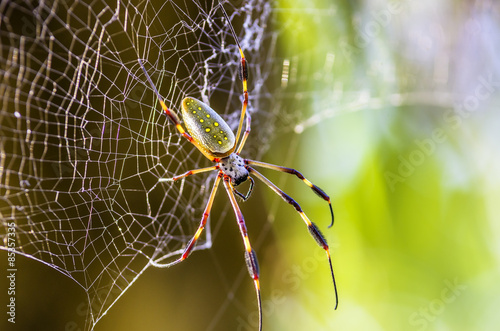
(83, 139)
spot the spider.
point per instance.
(212, 136)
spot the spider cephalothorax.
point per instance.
(208, 132)
(234, 167)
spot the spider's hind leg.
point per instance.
(188, 173)
(291, 171)
(203, 222)
(250, 256)
(313, 229)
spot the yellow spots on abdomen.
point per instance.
(206, 126)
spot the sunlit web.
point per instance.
(83, 141)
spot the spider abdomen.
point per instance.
(207, 127)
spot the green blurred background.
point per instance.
(395, 115)
(403, 133)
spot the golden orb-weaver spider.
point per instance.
(211, 135)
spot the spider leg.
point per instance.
(203, 222)
(245, 135)
(313, 229)
(173, 116)
(316, 189)
(244, 78)
(250, 256)
(188, 173)
(245, 197)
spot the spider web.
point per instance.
(83, 139)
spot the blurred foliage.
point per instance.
(402, 132)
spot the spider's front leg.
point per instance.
(174, 118)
